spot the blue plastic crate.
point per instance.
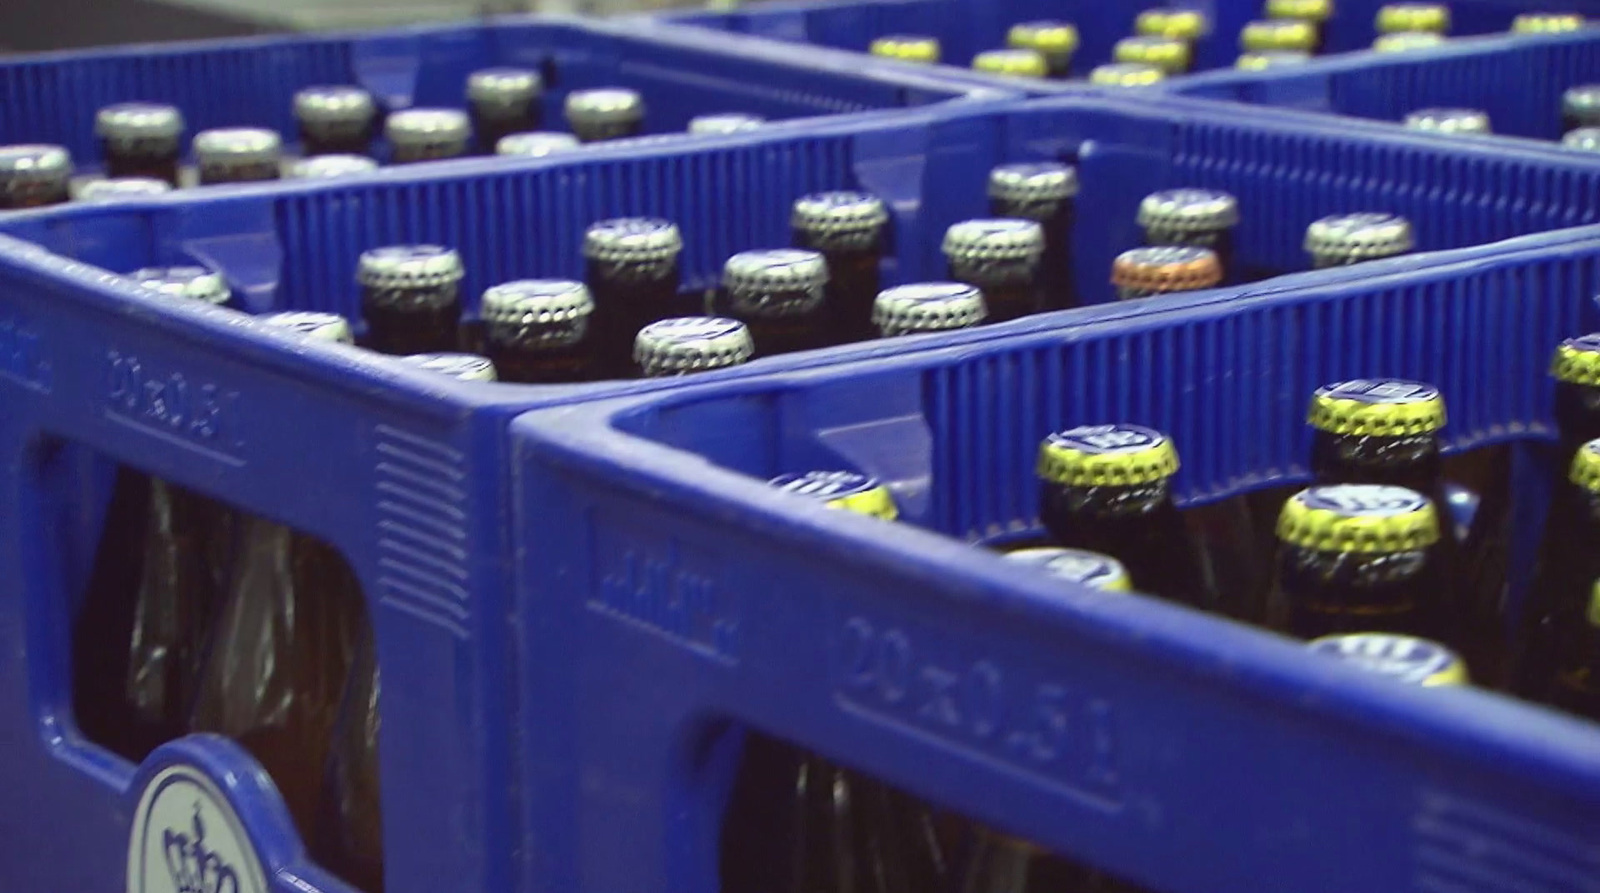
(679, 599)
(1517, 80)
(251, 81)
(967, 27)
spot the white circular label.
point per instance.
(187, 839)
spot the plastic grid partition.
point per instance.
(1184, 752)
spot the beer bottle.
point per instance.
(1169, 54)
(1188, 25)
(1012, 63)
(537, 144)
(1452, 122)
(1042, 192)
(1201, 218)
(1108, 489)
(1343, 239)
(845, 490)
(1401, 18)
(928, 307)
(154, 590)
(1001, 257)
(1546, 23)
(349, 836)
(848, 228)
(335, 120)
(1584, 139)
(411, 298)
(1580, 107)
(459, 366)
(1079, 566)
(1406, 41)
(607, 113)
(503, 101)
(237, 155)
(781, 295)
(312, 325)
(1379, 431)
(1359, 558)
(1055, 41)
(689, 344)
(1404, 659)
(632, 273)
(537, 330)
(324, 166)
(1567, 566)
(1164, 269)
(427, 134)
(918, 48)
(140, 139)
(725, 123)
(33, 176)
(1317, 12)
(122, 189)
(1273, 59)
(1576, 370)
(1126, 74)
(1575, 684)
(1278, 35)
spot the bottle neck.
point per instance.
(1322, 593)
(1411, 461)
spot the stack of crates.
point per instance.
(584, 598)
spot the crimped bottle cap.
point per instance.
(1586, 139)
(1361, 518)
(1160, 269)
(1167, 53)
(907, 48)
(841, 220)
(120, 188)
(138, 121)
(1577, 361)
(1182, 24)
(544, 311)
(775, 282)
(504, 87)
(1405, 41)
(241, 145)
(928, 307)
(409, 266)
(844, 490)
(1270, 59)
(725, 122)
(1377, 407)
(460, 366)
(1050, 37)
(1033, 183)
(1406, 659)
(1546, 22)
(1360, 236)
(1127, 74)
(312, 325)
(536, 144)
(1079, 566)
(35, 163)
(994, 239)
(1585, 470)
(1188, 210)
(1444, 120)
(632, 240)
(1396, 17)
(604, 106)
(334, 104)
(320, 167)
(1310, 10)
(418, 127)
(1582, 102)
(1278, 34)
(195, 283)
(1012, 63)
(1107, 456)
(692, 344)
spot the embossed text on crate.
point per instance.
(163, 399)
(657, 582)
(22, 354)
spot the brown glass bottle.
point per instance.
(33, 176)
(1340, 240)
(781, 295)
(237, 155)
(140, 139)
(1043, 192)
(1196, 218)
(1001, 257)
(336, 120)
(349, 839)
(848, 228)
(632, 274)
(411, 298)
(1580, 107)
(503, 101)
(427, 135)
(1567, 566)
(606, 113)
(537, 331)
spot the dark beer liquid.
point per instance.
(1008, 293)
(156, 159)
(326, 138)
(1137, 525)
(235, 172)
(492, 122)
(1002, 864)
(542, 365)
(406, 321)
(1322, 593)
(350, 831)
(1577, 412)
(853, 286)
(1568, 564)
(1055, 267)
(628, 297)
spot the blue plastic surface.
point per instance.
(251, 81)
(677, 597)
(1517, 80)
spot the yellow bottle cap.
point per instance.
(1546, 22)
(1377, 407)
(1126, 74)
(1107, 455)
(1166, 53)
(1182, 24)
(1310, 10)
(1278, 34)
(1406, 659)
(1091, 569)
(1049, 37)
(1585, 470)
(1362, 518)
(1396, 17)
(907, 48)
(1012, 63)
(1577, 361)
(844, 490)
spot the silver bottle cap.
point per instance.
(725, 122)
(1449, 120)
(195, 283)
(1001, 239)
(409, 266)
(626, 240)
(1188, 211)
(604, 106)
(503, 87)
(118, 188)
(312, 325)
(928, 307)
(1584, 138)
(139, 121)
(460, 366)
(1033, 189)
(775, 282)
(428, 127)
(1090, 569)
(1582, 103)
(692, 344)
(237, 145)
(39, 162)
(549, 312)
(840, 220)
(536, 144)
(1349, 238)
(324, 166)
(334, 104)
